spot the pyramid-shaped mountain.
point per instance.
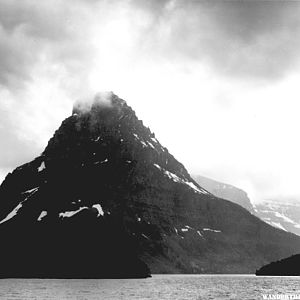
(106, 199)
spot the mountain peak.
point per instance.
(108, 125)
(106, 199)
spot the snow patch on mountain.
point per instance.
(176, 178)
(193, 186)
(145, 236)
(144, 144)
(212, 230)
(71, 213)
(42, 215)
(151, 145)
(99, 209)
(140, 140)
(278, 225)
(158, 166)
(200, 234)
(17, 208)
(41, 167)
(31, 191)
(101, 162)
(154, 140)
(12, 213)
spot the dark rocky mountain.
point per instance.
(225, 191)
(106, 199)
(286, 267)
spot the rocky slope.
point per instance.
(106, 199)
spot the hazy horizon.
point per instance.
(216, 81)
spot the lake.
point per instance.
(158, 287)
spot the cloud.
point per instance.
(33, 33)
(101, 99)
(14, 142)
(254, 39)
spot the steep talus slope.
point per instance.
(106, 199)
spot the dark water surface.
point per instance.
(158, 287)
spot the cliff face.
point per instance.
(106, 199)
(226, 191)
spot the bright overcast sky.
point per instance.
(217, 81)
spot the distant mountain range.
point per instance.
(278, 213)
(281, 214)
(225, 191)
(106, 199)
